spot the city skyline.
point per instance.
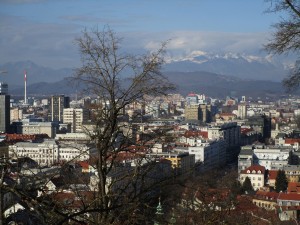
(44, 31)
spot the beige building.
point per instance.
(201, 112)
(242, 111)
(16, 114)
(76, 117)
(191, 112)
(38, 128)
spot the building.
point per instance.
(3, 88)
(261, 124)
(256, 175)
(28, 127)
(211, 154)
(192, 112)
(205, 113)
(181, 162)
(242, 111)
(16, 114)
(4, 113)
(192, 99)
(292, 172)
(57, 105)
(271, 157)
(76, 117)
(49, 152)
(245, 158)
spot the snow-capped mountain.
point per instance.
(239, 65)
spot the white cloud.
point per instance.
(53, 44)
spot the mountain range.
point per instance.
(212, 74)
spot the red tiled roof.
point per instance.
(293, 187)
(189, 133)
(289, 196)
(246, 130)
(266, 195)
(84, 165)
(273, 174)
(292, 140)
(256, 168)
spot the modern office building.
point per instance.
(57, 105)
(4, 113)
(3, 88)
(76, 117)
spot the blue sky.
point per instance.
(44, 30)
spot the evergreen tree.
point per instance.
(281, 183)
(247, 186)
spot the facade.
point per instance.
(245, 159)
(266, 200)
(27, 127)
(211, 154)
(76, 117)
(256, 175)
(4, 113)
(180, 162)
(205, 113)
(49, 152)
(191, 112)
(242, 111)
(271, 157)
(57, 105)
(292, 172)
(16, 114)
(3, 88)
(192, 99)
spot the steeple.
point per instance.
(159, 214)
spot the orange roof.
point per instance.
(84, 165)
(255, 168)
(266, 195)
(196, 134)
(273, 174)
(292, 140)
(289, 196)
(293, 187)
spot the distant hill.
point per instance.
(215, 85)
(35, 73)
(211, 84)
(47, 81)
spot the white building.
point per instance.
(256, 175)
(211, 154)
(49, 152)
(272, 157)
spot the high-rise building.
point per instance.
(191, 112)
(191, 99)
(205, 113)
(75, 117)
(57, 106)
(3, 88)
(4, 113)
(242, 111)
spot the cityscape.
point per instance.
(144, 131)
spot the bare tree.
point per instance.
(118, 80)
(286, 38)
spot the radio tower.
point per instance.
(25, 92)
